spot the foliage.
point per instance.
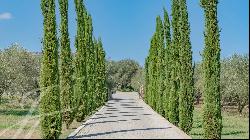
(212, 120)
(80, 75)
(50, 115)
(101, 80)
(66, 68)
(90, 68)
(234, 74)
(121, 73)
(186, 94)
(173, 113)
(235, 81)
(111, 70)
(90, 96)
(138, 80)
(167, 63)
(146, 71)
(152, 73)
(160, 65)
(19, 74)
(198, 83)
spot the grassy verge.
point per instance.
(234, 125)
(17, 123)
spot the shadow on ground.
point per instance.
(120, 131)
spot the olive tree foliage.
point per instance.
(120, 74)
(198, 83)
(138, 80)
(19, 75)
(111, 70)
(235, 81)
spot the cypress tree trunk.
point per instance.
(186, 95)
(212, 119)
(173, 113)
(50, 116)
(80, 88)
(167, 38)
(66, 69)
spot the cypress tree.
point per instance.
(173, 113)
(101, 89)
(90, 65)
(102, 55)
(186, 95)
(167, 68)
(66, 69)
(80, 87)
(151, 71)
(50, 116)
(160, 65)
(97, 76)
(212, 119)
(146, 81)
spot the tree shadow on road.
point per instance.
(120, 131)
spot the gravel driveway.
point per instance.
(127, 117)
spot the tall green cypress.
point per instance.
(153, 72)
(66, 69)
(150, 87)
(103, 75)
(97, 74)
(173, 113)
(80, 75)
(212, 119)
(50, 116)
(186, 94)
(167, 63)
(146, 81)
(90, 65)
(160, 65)
(87, 98)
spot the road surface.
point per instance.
(126, 116)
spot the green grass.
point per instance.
(15, 119)
(234, 126)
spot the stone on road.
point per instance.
(126, 116)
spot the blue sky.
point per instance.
(126, 26)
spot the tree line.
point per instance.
(19, 78)
(70, 89)
(169, 69)
(234, 82)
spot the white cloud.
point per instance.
(5, 16)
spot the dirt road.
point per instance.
(127, 117)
